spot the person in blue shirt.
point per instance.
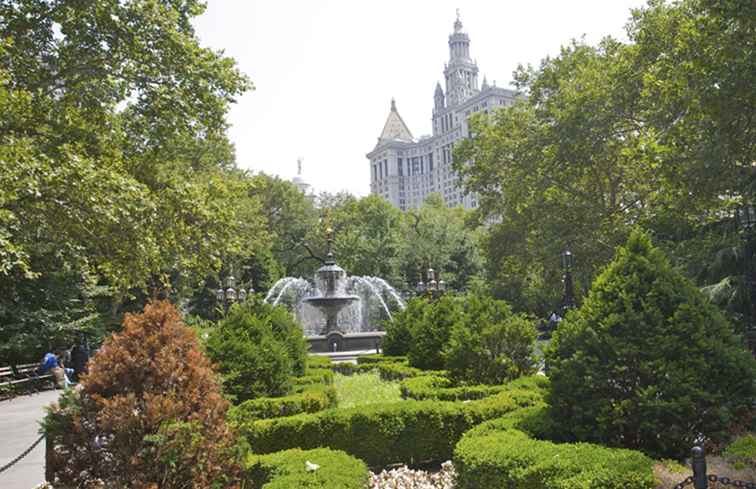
(49, 362)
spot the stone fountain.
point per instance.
(337, 312)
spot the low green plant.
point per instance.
(742, 451)
(430, 334)
(312, 398)
(363, 389)
(441, 388)
(320, 468)
(506, 453)
(385, 433)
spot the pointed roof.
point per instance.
(395, 128)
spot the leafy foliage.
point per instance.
(150, 412)
(257, 348)
(647, 362)
(491, 345)
(431, 334)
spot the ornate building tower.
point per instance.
(405, 170)
(461, 72)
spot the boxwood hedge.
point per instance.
(311, 399)
(441, 388)
(382, 434)
(287, 470)
(505, 453)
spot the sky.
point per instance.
(325, 71)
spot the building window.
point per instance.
(400, 166)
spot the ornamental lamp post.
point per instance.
(230, 294)
(568, 299)
(434, 288)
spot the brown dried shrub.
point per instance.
(150, 413)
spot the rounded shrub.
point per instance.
(490, 345)
(257, 348)
(150, 413)
(293, 469)
(647, 362)
(505, 453)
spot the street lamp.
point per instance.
(230, 294)
(568, 299)
(433, 288)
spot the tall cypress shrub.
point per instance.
(647, 362)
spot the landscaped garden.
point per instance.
(585, 323)
(641, 372)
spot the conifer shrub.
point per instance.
(257, 348)
(490, 344)
(647, 362)
(431, 333)
(399, 329)
(150, 413)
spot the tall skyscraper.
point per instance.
(405, 170)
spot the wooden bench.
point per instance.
(24, 377)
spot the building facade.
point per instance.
(404, 170)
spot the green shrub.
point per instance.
(399, 329)
(397, 371)
(647, 362)
(312, 398)
(490, 345)
(314, 376)
(431, 333)
(318, 361)
(257, 350)
(377, 358)
(287, 470)
(346, 368)
(441, 388)
(382, 434)
(742, 450)
(511, 458)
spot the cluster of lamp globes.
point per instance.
(230, 294)
(433, 286)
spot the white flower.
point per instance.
(311, 467)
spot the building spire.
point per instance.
(299, 166)
(393, 105)
(458, 23)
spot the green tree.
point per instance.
(400, 328)
(647, 362)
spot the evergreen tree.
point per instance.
(647, 362)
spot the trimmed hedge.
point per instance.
(503, 453)
(378, 358)
(346, 368)
(314, 376)
(397, 371)
(382, 434)
(312, 398)
(441, 388)
(286, 470)
(318, 361)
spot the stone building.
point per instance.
(404, 170)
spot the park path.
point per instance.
(19, 428)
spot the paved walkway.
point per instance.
(19, 428)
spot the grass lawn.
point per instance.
(361, 389)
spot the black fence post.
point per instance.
(700, 481)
